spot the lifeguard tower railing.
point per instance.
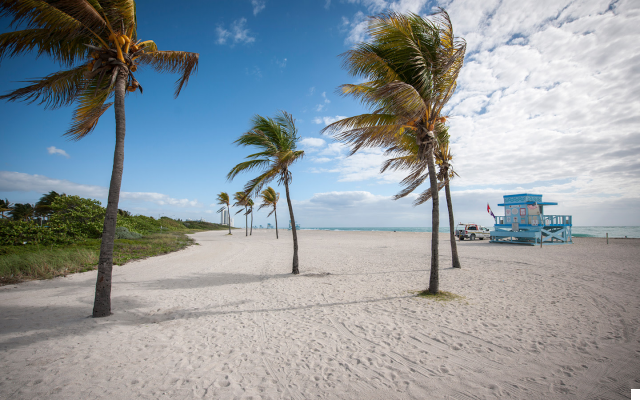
(550, 229)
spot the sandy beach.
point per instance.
(226, 320)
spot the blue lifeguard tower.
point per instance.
(525, 222)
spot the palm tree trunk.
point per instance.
(276, 214)
(455, 261)
(295, 270)
(434, 284)
(229, 219)
(251, 230)
(246, 222)
(102, 302)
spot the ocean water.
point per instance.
(577, 231)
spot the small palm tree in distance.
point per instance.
(223, 199)
(241, 201)
(96, 42)
(276, 140)
(250, 204)
(270, 199)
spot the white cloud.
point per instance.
(237, 33)
(312, 142)
(312, 89)
(22, 182)
(545, 101)
(255, 72)
(327, 120)
(258, 5)
(320, 160)
(324, 103)
(54, 150)
(282, 64)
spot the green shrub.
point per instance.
(124, 233)
(79, 217)
(23, 232)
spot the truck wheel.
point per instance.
(461, 238)
(473, 236)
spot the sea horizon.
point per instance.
(577, 231)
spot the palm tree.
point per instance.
(270, 199)
(97, 40)
(410, 66)
(223, 198)
(406, 157)
(250, 204)
(241, 201)
(43, 206)
(276, 139)
(22, 212)
(4, 207)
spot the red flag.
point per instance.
(489, 211)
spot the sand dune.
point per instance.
(226, 320)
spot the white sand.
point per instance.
(226, 320)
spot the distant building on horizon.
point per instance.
(224, 218)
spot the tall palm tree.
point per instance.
(270, 199)
(223, 199)
(96, 40)
(276, 140)
(410, 66)
(241, 201)
(43, 206)
(4, 207)
(406, 157)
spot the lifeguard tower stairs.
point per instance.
(525, 222)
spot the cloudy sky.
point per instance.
(547, 102)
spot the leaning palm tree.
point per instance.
(97, 42)
(241, 201)
(223, 199)
(410, 66)
(276, 140)
(270, 199)
(406, 157)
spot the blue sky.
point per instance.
(547, 103)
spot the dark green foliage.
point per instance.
(43, 206)
(22, 212)
(123, 233)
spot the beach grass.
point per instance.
(440, 296)
(22, 263)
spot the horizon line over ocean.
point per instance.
(576, 231)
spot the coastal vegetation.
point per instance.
(242, 200)
(276, 140)
(97, 44)
(409, 67)
(69, 241)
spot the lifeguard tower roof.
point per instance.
(525, 198)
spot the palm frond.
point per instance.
(247, 166)
(55, 90)
(174, 62)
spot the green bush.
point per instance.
(23, 232)
(124, 233)
(79, 217)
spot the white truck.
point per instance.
(471, 232)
